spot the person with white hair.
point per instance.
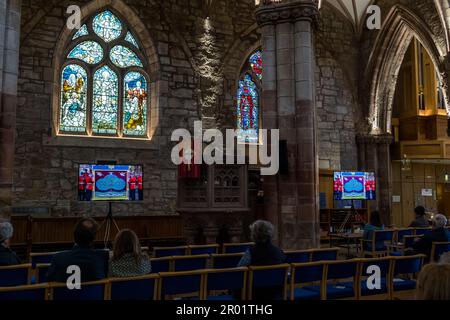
(7, 256)
(438, 234)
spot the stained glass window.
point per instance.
(256, 63)
(73, 99)
(123, 57)
(87, 51)
(248, 110)
(83, 31)
(135, 102)
(100, 108)
(129, 37)
(107, 26)
(105, 101)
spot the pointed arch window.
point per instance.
(104, 86)
(248, 113)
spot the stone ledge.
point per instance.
(100, 142)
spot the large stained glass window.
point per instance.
(105, 104)
(105, 62)
(248, 100)
(135, 98)
(73, 99)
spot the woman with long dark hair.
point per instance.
(374, 225)
(127, 259)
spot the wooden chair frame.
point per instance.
(105, 282)
(20, 266)
(29, 287)
(252, 269)
(169, 259)
(146, 277)
(230, 245)
(174, 259)
(374, 253)
(433, 249)
(293, 285)
(356, 279)
(210, 271)
(206, 246)
(155, 249)
(392, 277)
(164, 275)
(224, 255)
(39, 266)
(385, 296)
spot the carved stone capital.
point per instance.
(289, 11)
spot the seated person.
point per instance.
(7, 256)
(127, 259)
(434, 283)
(438, 234)
(375, 224)
(263, 253)
(421, 220)
(93, 263)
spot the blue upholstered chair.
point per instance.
(328, 254)
(236, 247)
(134, 288)
(226, 284)
(188, 263)
(181, 285)
(306, 281)
(42, 257)
(341, 280)
(41, 272)
(438, 249)
(161, 264)
(422, 231)
(401, 233)
(96, 290)
(404, 270)
(204, 249)
(298, 256)
(366, 291)
(17, 275)
(224, 261)
(372, 247)
(160, 252)
(28, 292)
(268, 277)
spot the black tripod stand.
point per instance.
(107, 223)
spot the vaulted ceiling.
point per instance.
(353, 10)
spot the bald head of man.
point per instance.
(85, 232)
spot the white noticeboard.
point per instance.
(396, 199)
(427, 192)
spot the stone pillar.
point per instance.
(375, 155)
(292, 200)
(9, 70)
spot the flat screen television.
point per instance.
(110, 182)
(354, 186)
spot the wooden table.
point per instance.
(349, 238)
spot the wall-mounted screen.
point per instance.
(354, 186)
(110, 182)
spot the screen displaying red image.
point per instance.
(110, 183)
(354, 186)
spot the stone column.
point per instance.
(289, 105)
(375, 155)
(9, 70)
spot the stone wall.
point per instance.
(336, 90)
(188, 46)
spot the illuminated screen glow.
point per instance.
(354, 186)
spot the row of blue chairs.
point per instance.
(36, 273)
(325, 280)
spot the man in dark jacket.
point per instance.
(421, 220)
(438, 234)
(93, 264)
(7, 256)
